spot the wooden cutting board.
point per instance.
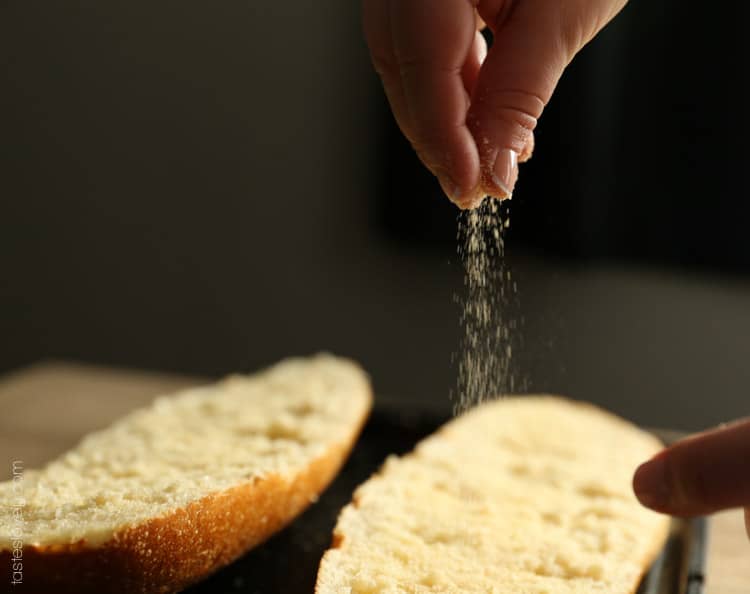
(46, 408)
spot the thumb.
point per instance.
(533, 43)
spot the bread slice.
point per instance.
(178, 489)
(526, 495)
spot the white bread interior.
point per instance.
(524, 495)
(185, 447)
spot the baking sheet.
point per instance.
(288, 562)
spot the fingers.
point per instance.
(528, 149)
(431, 47)
(377, 27)
(421, 53)
(474, 60)
(534, 40)
(432, 65)
(699, 475)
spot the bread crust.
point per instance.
(655, 549)
(168, 553)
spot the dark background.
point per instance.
(207, 188)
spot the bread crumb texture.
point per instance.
(527, 495)
(185, 447)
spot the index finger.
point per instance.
(431, 45)
(699, 475)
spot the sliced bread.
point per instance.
(174, 491)
(526, 495)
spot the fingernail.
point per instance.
(505, 172)
(650, 484)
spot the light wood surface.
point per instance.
(46, 408)
(728, 570)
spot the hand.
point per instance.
(471, 120)
(699, 475)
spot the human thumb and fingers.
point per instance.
(471, 119)
(700, 474)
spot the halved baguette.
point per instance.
(174, 491)
(527, 495)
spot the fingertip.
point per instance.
(650, 484)
(451, 190)
(500, 149)
(463, 195)
(528, 149)
(458, 169)
(504, 173)
(472, 200)
(462, 198)
(498, 173)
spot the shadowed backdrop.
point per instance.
(208, 188)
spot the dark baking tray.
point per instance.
(288, 562)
